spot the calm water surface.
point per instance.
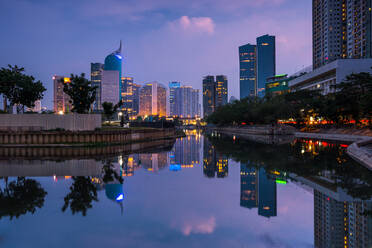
(204, 192)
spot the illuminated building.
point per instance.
(129, 164)
(266, 194)
(257, 63)
(248, 79)
(153, 100)
(221, 90)
(111, 78)
(265, 62)
(248, 186)
(277, 85)
(130, 96)
(154, 161)
(61, 100)
(96, 70)
(186, 102)
(172, 101)
(215, 93)
(341, 29)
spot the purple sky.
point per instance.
(163, 40)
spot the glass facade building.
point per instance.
(277, 85)
(247, 62)
(172, 102)
(265, 62)
(153, 100)
(96, 70)
(215, 93)
(113, 63)
(221, 90)
(130, 96)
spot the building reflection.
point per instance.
(258, 190)
(214, 163)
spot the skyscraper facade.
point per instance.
(248, 186)
(185, 102)
(129, 96)
(221, 90)
(172, 102)
(266, 194)
(215, 93)
(61, 100)
(265, 62)
(341, 29)
(153, 100)
(111, 78)
(96, 70)
(248, 78)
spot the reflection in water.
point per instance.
(342, 207)
(20, 197)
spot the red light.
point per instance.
(344, 146)
(327, 198)
(243, 123)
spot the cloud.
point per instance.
(194, 24)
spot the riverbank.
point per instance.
(85, 138)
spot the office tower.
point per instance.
(265, 62)
(209, 95)
(153, 100)
(61, 100)
(248, 78)
(185, 102)
(172, 103)
(154, 161)
(96, 70)
(221, 90)
(341, 29)
(214, 163)
(110, 87)
(111, 78)
(266, 194)
(129, 96)
(185, 151)
(248, 186)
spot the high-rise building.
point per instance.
(257, 63)
(265, 61)
(153, 100)
(61, 100)
(266, 194)
(185, 102)
(96, 70)
(214, 162)
(215, 93)
(341, 29)
(111, 78)
(130, 96)
(172, 101)
(221, 90)
(186, 151)
(209, 95)
(248, 78)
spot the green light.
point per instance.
(281, 181)
(281, 75)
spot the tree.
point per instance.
(109, 109)
(19, 88)
(81, 93)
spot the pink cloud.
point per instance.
(194, 24)
(196, 225)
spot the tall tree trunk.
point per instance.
(5, 101)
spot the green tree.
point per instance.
(18, 88)
(81, 92)
(108, 110)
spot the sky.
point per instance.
(163, 40)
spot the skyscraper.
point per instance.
(111, 78)
(96, 70)
(172, 102)
(130, 96)
(221, 90)
(248, 78)
(265, 62)
(209, 95)
(153, 99)
(185, 102)
(248, 186)
(61, 100)
(341, 29)
(266, 194)
(215, 93)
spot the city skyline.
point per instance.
(174, 26)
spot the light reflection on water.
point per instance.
(218, 192)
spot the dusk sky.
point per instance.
(163, 40)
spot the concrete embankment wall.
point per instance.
(258, 130)
(84, 137)
(360, 152)
(37, 122)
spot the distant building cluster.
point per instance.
(183, 101)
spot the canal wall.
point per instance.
(70, 138)
(38, 122)
(257, 130)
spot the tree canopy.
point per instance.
(81, 93)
